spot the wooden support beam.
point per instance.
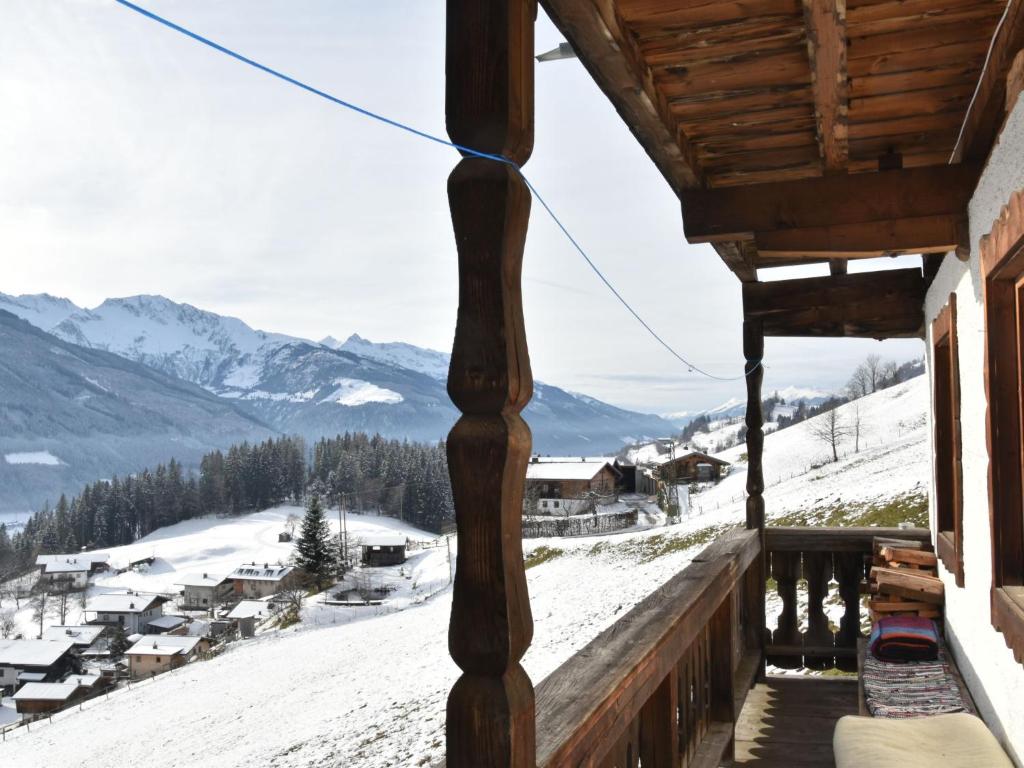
(828, 204)
(753, 352)
(826, 47)
(837, 266)
(987, 110)
(878, 305)
(868, 240)
(489, 104)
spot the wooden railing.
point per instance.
(664, 684)
(809, 560)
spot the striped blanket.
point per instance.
(912, 689)
(904, 638)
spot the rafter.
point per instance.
(826, 48)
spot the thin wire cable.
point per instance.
(438, 140)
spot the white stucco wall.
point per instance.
(995, 679)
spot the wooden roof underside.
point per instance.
(764, 108)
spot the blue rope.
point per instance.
(437, 140)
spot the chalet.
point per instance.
(153, 654)
(74, 569)
(565, 485)
(247, 613)
(255, 581)
(692, 466)
(166, 625)
(383, 549)
(792, 134)
(33, 661)
(130, 610)
(46, 698)
(204, 591)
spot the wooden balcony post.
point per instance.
(489, 108)
(753, 351)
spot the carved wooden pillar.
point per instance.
(753, 351)
(817, 568)
(489, 108)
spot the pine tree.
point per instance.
(313, 550)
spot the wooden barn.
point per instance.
(383, 549)
(692, 467)
(792, 132)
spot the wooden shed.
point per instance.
(691, 467)
(385, 549)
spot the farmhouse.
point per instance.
(383, 549)
(23, 661)
(153, 654)
(204, 591)
(567, 485)
(130, 610)
(692, 466)
(75, 569)
(255, 581)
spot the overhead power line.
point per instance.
(438, 140)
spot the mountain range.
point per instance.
(268, 382)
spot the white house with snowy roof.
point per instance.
(153, 654)
(81, 635)
(73, 568)
(128, 610)
(255, 580)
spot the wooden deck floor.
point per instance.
(788, 721)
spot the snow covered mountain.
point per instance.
(315, 388)
(70, 415)
(736, 406)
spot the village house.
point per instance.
(46, 698)
(166, 625)
(75, 569)
(692, 466)
(130, 610)
(255, 581)
(383, 549)
(82, 636)
(33, 661)
(247, 613)
(153, 654)
(204, 591)
(565, 486)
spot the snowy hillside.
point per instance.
(372, 693)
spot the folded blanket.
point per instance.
(904, 638)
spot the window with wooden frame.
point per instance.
(1002, 271)
(949, 497)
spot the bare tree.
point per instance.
(873, 365)
(7, 624)
(860, 382)
(62, 590)
(830, 429)
(890, 373)
(39, 602)
(857, 425)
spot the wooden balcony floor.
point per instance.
(788, 721)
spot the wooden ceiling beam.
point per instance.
(878, 305)
(825, 205)
(987, 111)
(826, 48)
(926, 234)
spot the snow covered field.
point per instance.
(372, 693)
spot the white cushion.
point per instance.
(950, 741)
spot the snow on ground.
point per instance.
(32, 457)
(353, 392)
(371, 694)
(218, 545)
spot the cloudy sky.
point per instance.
(137, 161)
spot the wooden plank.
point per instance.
(907, 583)
(490, 712)
(902, 555)
(741, 212)
(585, 705)
(659, 724)
(868, 305)
(988, 107)
(826, 47)
(713, 748)
(852, 539)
